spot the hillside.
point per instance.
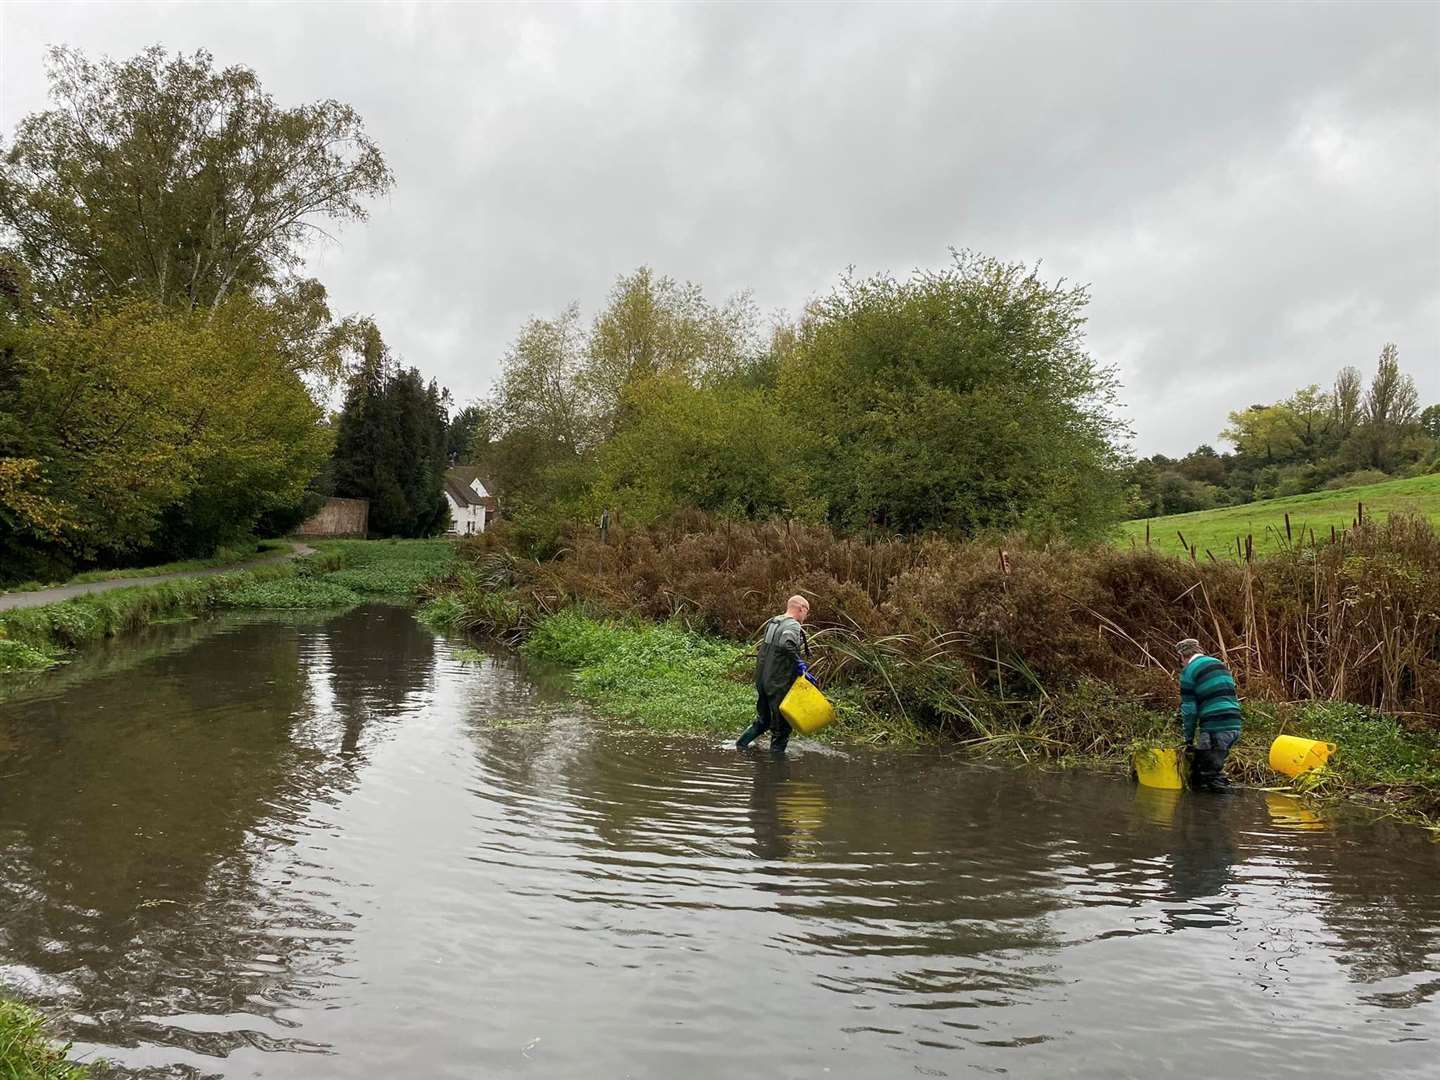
(1217, 529)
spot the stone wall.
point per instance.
(339, 518)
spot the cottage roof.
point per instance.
(468, 474)
(462, 494)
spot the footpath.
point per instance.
(11, 601)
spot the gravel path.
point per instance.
(10, 601)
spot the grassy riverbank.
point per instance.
(1050, 654)
(341, 574)
(669, 679)
(245, 551)
(25, 1051)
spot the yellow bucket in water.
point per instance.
(1289, 812)
(805, 707)
(1157, 805)
(1292, 755)
(802, 807)
(1158, 768)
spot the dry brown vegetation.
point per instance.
(950, 625)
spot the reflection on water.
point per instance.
(329, 849)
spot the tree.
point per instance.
(1266, 433)
(723, 448)
(1346, 400)
(961, 399)
(1203, 465)
(122, 421)
(1391, 410)
(470, 426)
(161, 177)
(390, 443)
(541, 377)
(1430, 421)
(654, 327)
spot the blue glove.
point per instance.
(805, 671)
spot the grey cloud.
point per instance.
(1250, 190)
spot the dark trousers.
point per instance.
(1207, 759)
(767, 718)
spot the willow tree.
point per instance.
(161, 177)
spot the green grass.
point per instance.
(1216, 530)
(244, 551)
(26, 1053)
(291, 593)
(665, 678)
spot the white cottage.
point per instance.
(472, 506)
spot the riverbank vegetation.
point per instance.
(26, 1053)
(664, 677)
(246, 550)
(1041, 651)
(341, 574)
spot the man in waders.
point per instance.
(1209, 713)
(780, 662)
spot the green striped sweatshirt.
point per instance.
(1208, 697)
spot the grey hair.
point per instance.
(1187, 648)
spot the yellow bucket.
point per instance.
(806, 708)
(1292, 755)
(1158, 768)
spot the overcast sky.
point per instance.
(1252, 191)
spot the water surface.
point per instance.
(333, 849)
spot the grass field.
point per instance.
(1216, 530)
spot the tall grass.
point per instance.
(25, 1051)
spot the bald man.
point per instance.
(779, 663)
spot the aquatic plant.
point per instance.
(18, 656)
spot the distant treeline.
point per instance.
(1348, 435)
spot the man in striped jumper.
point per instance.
(1209, 713)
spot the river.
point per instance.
(332, 847)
